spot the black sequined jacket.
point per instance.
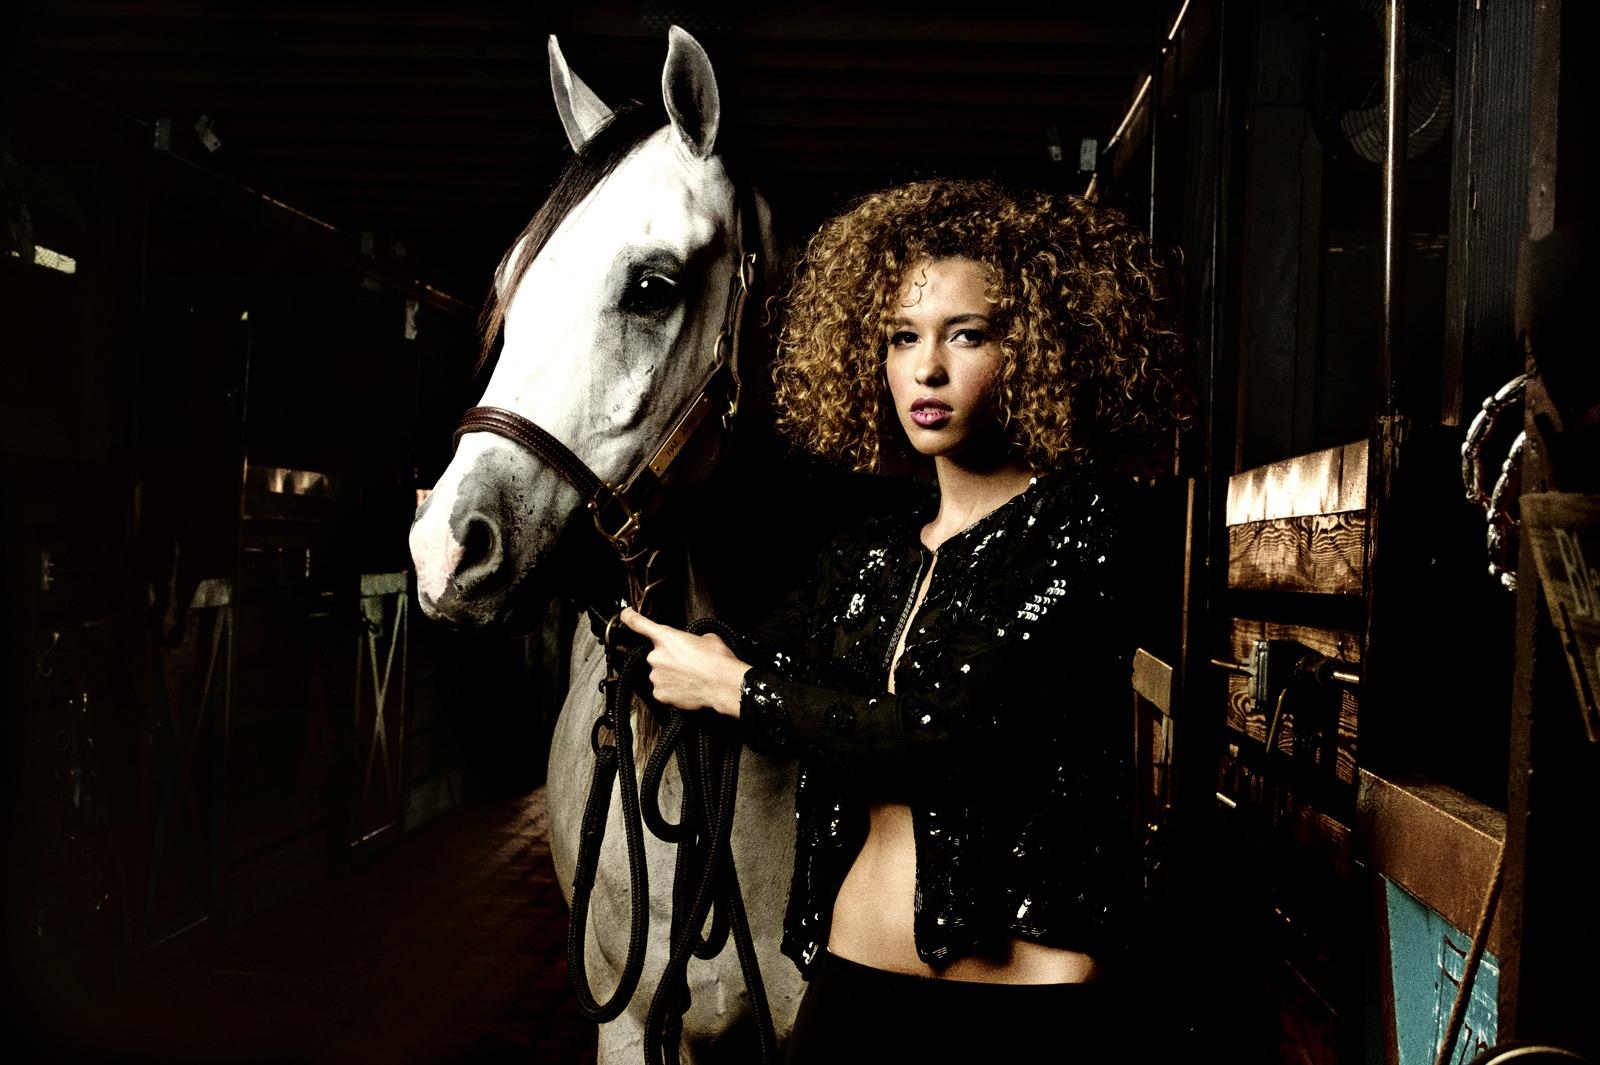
(1005, 735)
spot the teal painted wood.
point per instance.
(1427, 955)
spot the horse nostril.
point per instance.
(481, 553)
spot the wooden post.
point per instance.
(1548, 987)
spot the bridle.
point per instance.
(707, 751)
(616, 509)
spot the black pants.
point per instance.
(855, 1013)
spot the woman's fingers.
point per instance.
(679, 661)
(636, 621)
(662, 680)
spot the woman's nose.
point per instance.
(930, 369)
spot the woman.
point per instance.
(953, 679)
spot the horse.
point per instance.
(610, 302)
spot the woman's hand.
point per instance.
(690, 672)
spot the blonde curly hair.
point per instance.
(1080, 298)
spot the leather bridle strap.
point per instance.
(551, 451)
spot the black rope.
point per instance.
(609, 758)
(705, 882)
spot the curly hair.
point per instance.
(1080, 297)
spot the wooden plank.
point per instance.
(1152, 679)
(1349, 718)
(1435, 842)
(1492, 205)
(1331, 481)
(1152, 734)
(1312, 553)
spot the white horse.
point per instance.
(607, 329)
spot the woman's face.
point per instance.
(943, 358)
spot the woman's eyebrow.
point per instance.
(955, 319)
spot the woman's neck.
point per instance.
(968, 491)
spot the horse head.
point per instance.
(610, 302)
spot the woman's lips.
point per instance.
(931, 417)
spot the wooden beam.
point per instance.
(1319, 553)
(1331, 481)
(1435, 842)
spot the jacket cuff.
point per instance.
(764, 719)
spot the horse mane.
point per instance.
(626, 129)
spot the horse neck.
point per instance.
(698, 598)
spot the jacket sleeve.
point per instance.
(1035, 631)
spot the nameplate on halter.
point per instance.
(680, 435)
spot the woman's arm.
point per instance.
(1035, 633)
(1032, 647)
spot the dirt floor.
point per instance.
(448, 949)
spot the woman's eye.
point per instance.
(975, 337)
(650, 294)
(901, 339)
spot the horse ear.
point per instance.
(689, 89)
(581, 111)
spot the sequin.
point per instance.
(1016, 813)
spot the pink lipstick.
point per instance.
(930, 413)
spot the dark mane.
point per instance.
(627, 128)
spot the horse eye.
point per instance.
(650, 294)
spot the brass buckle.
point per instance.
(747, 272)
(625, 528)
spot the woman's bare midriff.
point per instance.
(873, 913)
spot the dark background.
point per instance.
(282, 218)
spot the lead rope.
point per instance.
(609, 757)
(705, 881)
